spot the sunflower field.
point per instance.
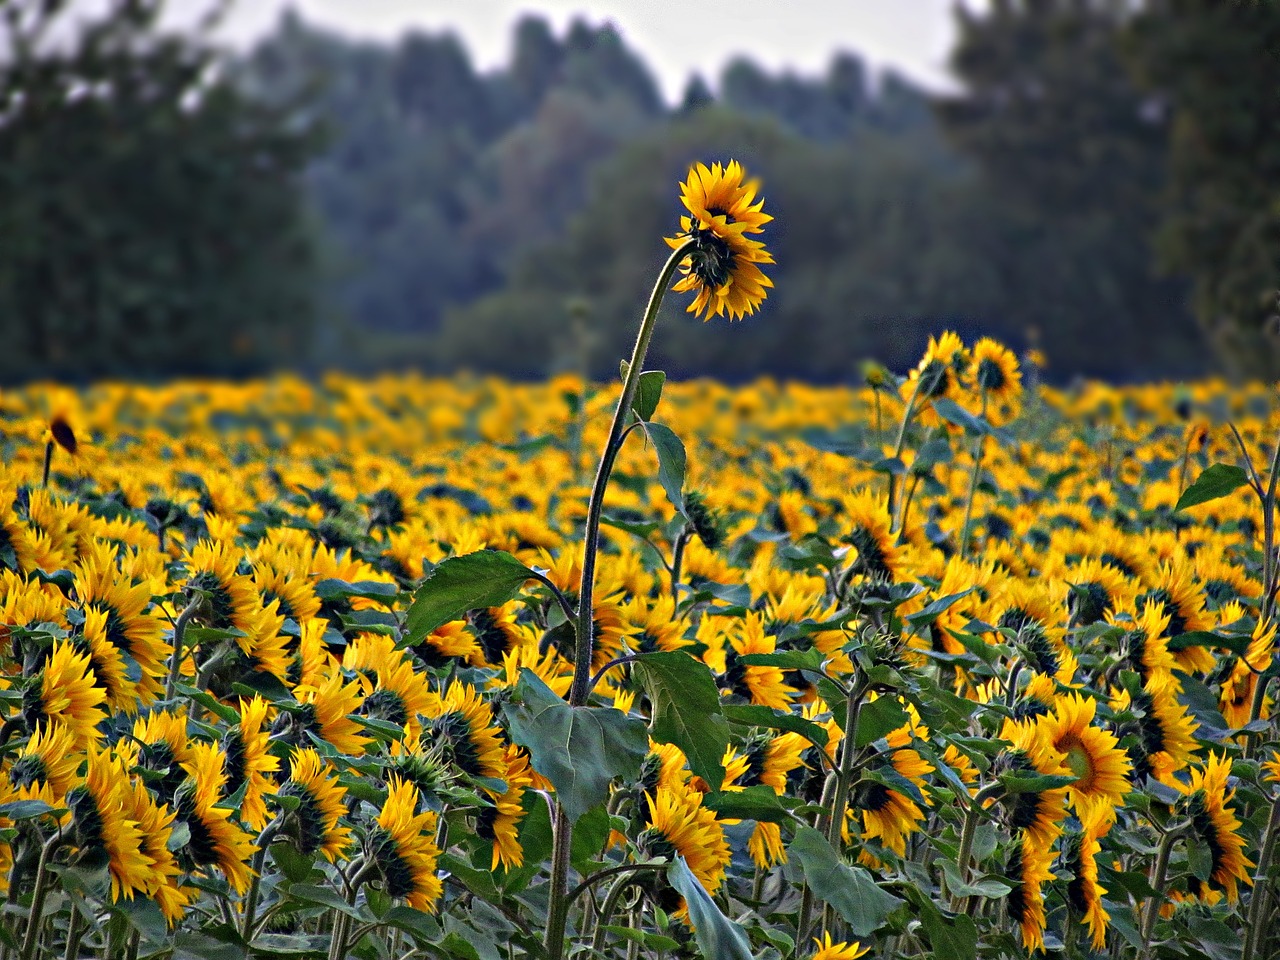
(947, 664)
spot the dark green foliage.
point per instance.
(151, 218)
(1215, 65)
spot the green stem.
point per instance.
(1157, 898)
(606, 910)
(75, 933)
(259, 858)
(677, 561)
(907, 414)
(591, 534)
(179, 630)
(36, 917)
(1260, 686)
(558, 908)
(1261, 883)
(973, 484)
(967, 832)
(848, 747)
(48, 462)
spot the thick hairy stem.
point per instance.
(582, 658)
(259, 858)
(36, 917)
(1153, 906)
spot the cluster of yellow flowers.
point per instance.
(208, 655)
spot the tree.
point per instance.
(1072, 155)
(151, 211)
(1215, 65)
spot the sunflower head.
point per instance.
(722, 265)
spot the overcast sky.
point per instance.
(676, 37)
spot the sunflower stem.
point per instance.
(606, 910)
(179, 630)
(259, 858)
(36, 917)
(48, 462)
(558, 909)
(907, 414)
(1157, 884)
(848, 747)
(967, 833)
(677, 561)
(973, 484)
(1261, 884)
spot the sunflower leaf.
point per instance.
(717, 935)
(850, 891)
(648, 393)
(758, 803)
(756, 715)
(686, 710)
(486, 578)
(579, 749)
(671, 463)
(1217, 481)
(879, 718)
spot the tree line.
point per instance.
(1103, 186)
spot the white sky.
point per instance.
(675, 37)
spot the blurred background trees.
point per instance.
(1102, 184)
(151, 218)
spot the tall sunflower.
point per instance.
(1028, 868)
(1166, 731)
(995, 375)
(403, 846)
(155, 822)
(50, 757)
(723, 266)
(324, 711)
(500, 823)
(314, 825)
(1038, 813)
(1080, 849)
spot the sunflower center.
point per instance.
(990, 375)
(711, 259)
(1080, 763)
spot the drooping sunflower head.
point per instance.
(66, 692)
(248, 764)
(1080, 850)
(461, 724)
(723, 264)
(103, 833)
(1208, 803)
(49, 757)
(680, 824)
(1093, 755)
(1038, 813)
(1028, 867)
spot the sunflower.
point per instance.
(500, 823)
(1176, 594)
(940, 374)
(1028, 869)
(1096, 589)
(995, 374)
(680, 824)
(461, 723)
(248, 764)
(65, 692)
(277, 579)
(1216, 824)
(723, 264)
(403, 848)
(215, 839)
(890, 816)
(399, 694)
(657, 624)
(495, 631)
(1092, 754)
(103, 832)
(161, 745)
(864, 525)
(1145, 647)
(1084, 894)
(324, 711)
(314, 824)
(155, 822)
(449, 642)
(101, 586)
(1241, 682)
(1222, 581)
(837, 951)
(50, 757)
(1038, 813)
(727, 643)
(106, 663)
(551, 668)
(1166, 732)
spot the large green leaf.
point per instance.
(878, 718)
(848, 890)
(757, 803)
(719, 938)
(579, 749)
(671, 463)
(486, 578)
(755, 715)
(686, 710)
(1217, 481)
(954, 937)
